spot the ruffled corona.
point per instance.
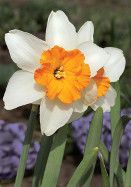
(63, 74)
(102, 82)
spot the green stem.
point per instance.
(55, 157)
(93, 140)
(105, 177)
(46, 142)
(116, 109)
(27, 141)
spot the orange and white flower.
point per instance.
(65, 74)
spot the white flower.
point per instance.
(62, 73)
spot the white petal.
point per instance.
(86, 32)
(107, 101)
(25, 49)
(53, 115)
(60, 31)
(75, 116)
(95, 56)
(21, 90)
(88, 97)
(90, 94)
(79, 106)
(115, 65)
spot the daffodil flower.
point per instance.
(65, 74)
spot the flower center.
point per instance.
(59, 73)
(63, 74)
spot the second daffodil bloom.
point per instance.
(65, 74)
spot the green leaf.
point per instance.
(105, 177)
(54, 161)
(27, 141)
(115, 147)
(120, 174)
(116, 182)
(128, 172)
(93, 140)
(115, 110)
(94, 135)
(46, 142)
(104, 151)
(83, 167)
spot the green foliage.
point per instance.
(93, 140)
(120, 173)
(117, 129)
(83, 167)
(27, 142)
(105, 177)
(54, 161)
(116, 109)
(114, 159)
(45, 146)
(104, 151)
(128, 172)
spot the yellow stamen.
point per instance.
(59, 73)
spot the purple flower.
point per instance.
(81, 129)
(11, 144)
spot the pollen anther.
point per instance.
(59, 73)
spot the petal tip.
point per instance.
(7, 35)
(14, 31)
(47, 133)
(6, 107)
(52, 12)
(8, 38)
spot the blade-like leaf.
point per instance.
(93, 140)
(115, 147)
(104, 151)
(83, 167)
(94, 135)
(105, 177)
(120, 174)
(115, 110)
(116, 182)
(128, 172)
(46, 142)
(27, 141)
(55, 157)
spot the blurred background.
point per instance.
(112, 22)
